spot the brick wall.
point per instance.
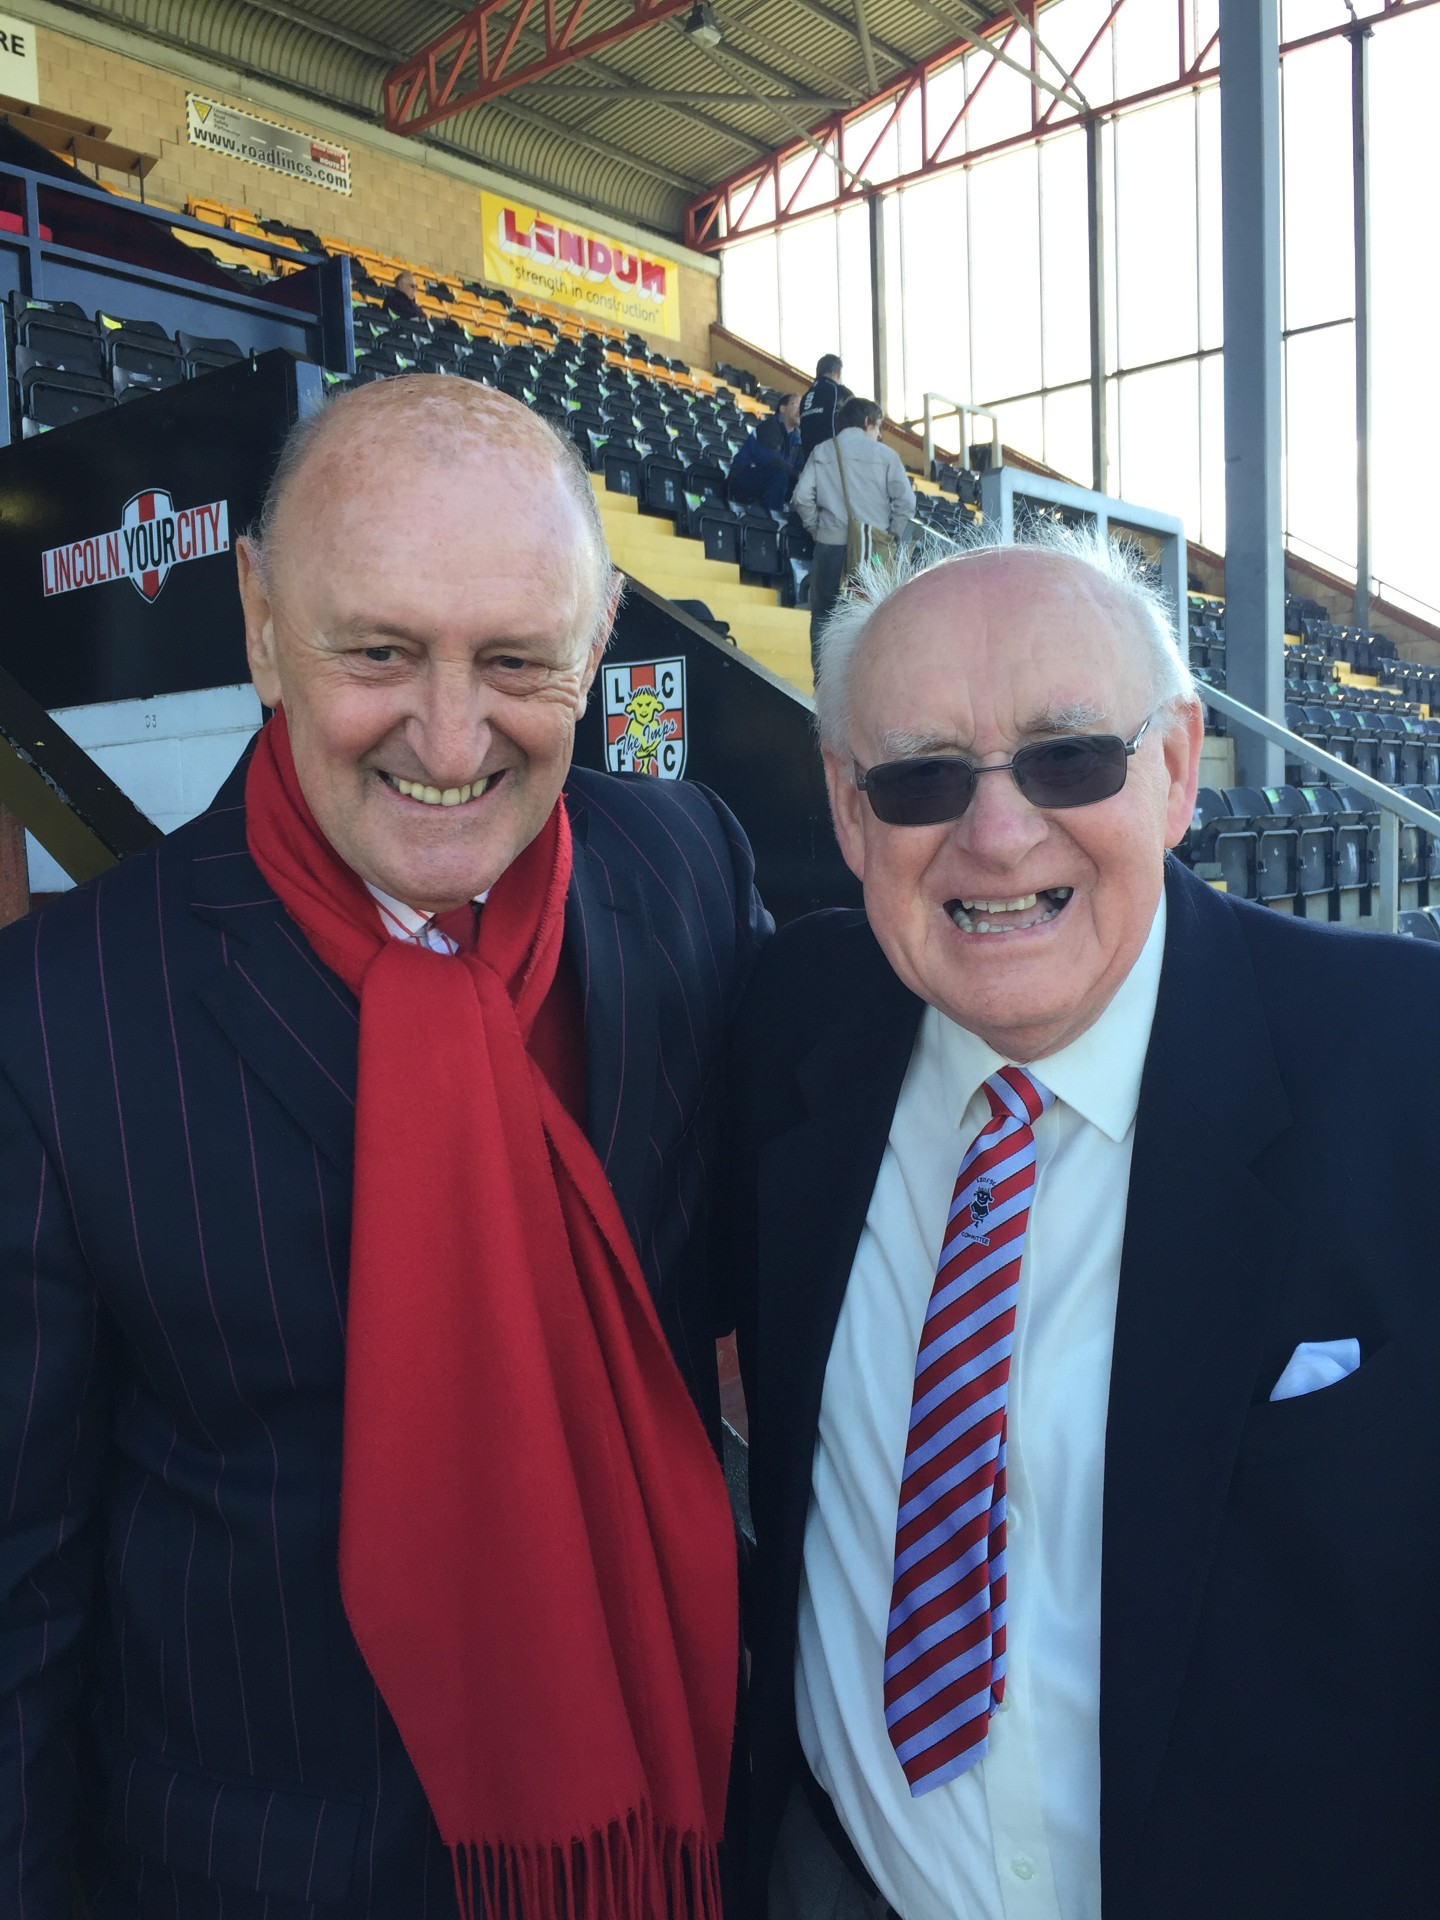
(396, 205)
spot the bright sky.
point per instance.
(992, 277)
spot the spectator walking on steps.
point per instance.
(822, 403)
(853, 477)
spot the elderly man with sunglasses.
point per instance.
(1090, 1355)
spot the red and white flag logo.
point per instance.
(153, 536)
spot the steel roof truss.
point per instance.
(474, 60)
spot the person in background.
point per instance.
(768, 464)
(853, 476)
(822, 402)
(364, 1547)
(401, 301)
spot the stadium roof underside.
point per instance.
(638, 127)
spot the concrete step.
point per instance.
(718, 595)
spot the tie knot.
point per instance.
(1016, 1093)
(461, 923)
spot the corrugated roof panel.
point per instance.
(619, 150)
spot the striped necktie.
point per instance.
(945, 1643)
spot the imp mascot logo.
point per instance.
(645, 717)
(981, 1201)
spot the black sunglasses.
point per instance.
(1073, 771)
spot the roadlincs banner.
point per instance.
(547, 258)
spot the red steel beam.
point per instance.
(711, 218)
(475, 59)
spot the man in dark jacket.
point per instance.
(767, 466)
(821, 404)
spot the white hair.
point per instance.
(1120, 566)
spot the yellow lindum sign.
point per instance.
(541, 255)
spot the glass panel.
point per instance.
(750, 290)
(809, 297)
(1320, 442)
(1160, 441)
(1318, 203)
(1155, 232)
(945, 96)
(857, 336)
(935, 312)
(861, 136)
(1212, 452)
(1068, 27)
(1067, 434)
(1005, 275)
(1211, 251)
(1065, 277)
(1002, 102)
(893, 397)
(1299, 17)
(911, 156)
(1147, 47)
(816, 184)
(1404, 296)
(1205, 24)
(1022, 426)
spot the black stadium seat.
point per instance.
(53, 396)
(58, 334)
(202, 355)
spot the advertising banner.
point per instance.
(544, 257)
(19, 73)
(244, 136)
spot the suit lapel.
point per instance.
(292, 1022)
(608, 941)
(1203, 1239)
(815, 1183)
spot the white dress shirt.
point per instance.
(408, 923)
(1017, 1837)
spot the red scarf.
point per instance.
(536, 1552)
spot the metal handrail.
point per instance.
(1393, 807)
(963, 410)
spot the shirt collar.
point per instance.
(1097, 1074)
(402, 922)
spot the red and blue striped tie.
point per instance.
(945, 1643)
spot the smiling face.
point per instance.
(429, 624)
(1017, 923)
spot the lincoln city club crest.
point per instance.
(645, 717)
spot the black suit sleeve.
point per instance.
(52, 1432)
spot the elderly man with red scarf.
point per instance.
(363, 1551)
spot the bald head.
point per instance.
(389, 427)
(1054, 577)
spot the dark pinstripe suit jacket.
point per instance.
(177, 1074)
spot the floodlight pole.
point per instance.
(1360, 35)
(1250, 207)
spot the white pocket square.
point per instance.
(1315, 1364)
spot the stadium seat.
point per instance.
(57, 334)
(1417, 924)
(53, 396)
(202, 355)
(760, 542)
(141, 348)
(718, 525)
(662, 484)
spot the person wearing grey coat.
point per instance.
(854, 464)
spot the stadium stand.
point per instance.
(659, 437)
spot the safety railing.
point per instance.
(939, 406)
(1393, 808)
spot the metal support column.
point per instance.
(1250, 204)
(878, 343)
(1359, 139)
(1099, 415)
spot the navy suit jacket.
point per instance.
(177, 1082)
(1270, 1593)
